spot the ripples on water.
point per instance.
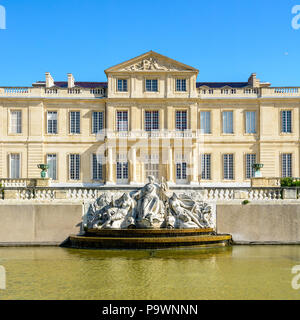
(240, 272)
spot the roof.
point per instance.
(222, 84)
(64, 84)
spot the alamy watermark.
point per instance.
(2, 17)
(2, 278)
(296, 279)
(296, 19)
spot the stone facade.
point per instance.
(151, 123)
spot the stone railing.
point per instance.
(11, 92)
(204, 194)
(269, 92)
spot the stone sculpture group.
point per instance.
(153, 206)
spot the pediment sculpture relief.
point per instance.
(151, 64)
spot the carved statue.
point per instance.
(149, 207)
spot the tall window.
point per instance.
(75, 122)
(250, 160)
(74, 167)
(152, 166)
(52, 162)
(181, 120)
(98, 122)
(97, 167)
(52, 122)
(122, 168)
(286, 121)
(228, 167)
(286, 165)
(227, 122)
(16, 121)
(151, 120)
(122, 120)
(205, 126)
(206, 166)
(181, 173)
(180, 84)
(151, 85)
(122, 85)
(250, 122)
(15, 166)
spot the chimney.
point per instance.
(49, 80)
(253, 81)
(71, 81)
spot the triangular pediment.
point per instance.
(151, 62)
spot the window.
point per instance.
(16, 121)
(75, 122)
(74, 167)
(250, 122)
(181, 120)
(98, 120)
(205, 122)
(228, 166)
(286, 165)
(250, 161)
(286, 121)
(97, 167)
(122, 85)
(180, 84)
(52, 122)
(122, 121)
(122, 168)
(151, 85)
(227, 122)
(51, 161)
(206, 166)
(151, 120)
(152, 166)
(181, 175)
(15, 166)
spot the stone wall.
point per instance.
(260, 222)
(34, 224)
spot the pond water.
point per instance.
(239, 272)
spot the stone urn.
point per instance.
(44, 168)
(257, 167)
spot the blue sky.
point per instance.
(225, 40)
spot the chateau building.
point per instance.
(151, 117)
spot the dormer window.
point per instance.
(181, 85)
(122, 85)
(151, 85)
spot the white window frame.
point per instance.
(54, 155)
(18, 176)
(228, 166)
(205, 166)
(151, 85)
(76, 159)
(286, 165)
(121, 124)
(286, 121)
(54, 122)
(97, 122)
(205, 122)
(227, 122)
(180, 85)
(16, 128)
(97, 172)
(181, 122)
(250, 159)
(76, 127)
(122, 87)
(250, 122)
(151, 123)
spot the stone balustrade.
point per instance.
(203, 194)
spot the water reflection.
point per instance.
(240, 272)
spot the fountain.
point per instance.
(152, 217)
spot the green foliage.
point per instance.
(289, 182)
(245, 202)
